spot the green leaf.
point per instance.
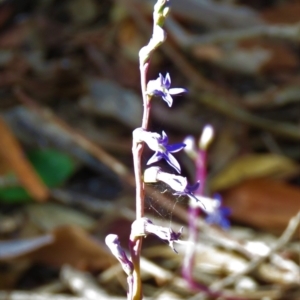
(53, 167)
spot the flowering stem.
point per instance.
(201, 172)
(160, 11)
(135, 244)
(194, 213)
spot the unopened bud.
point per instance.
(113, 243)
(190, 147)
(206, 137)
(150, 174)
(166, 11)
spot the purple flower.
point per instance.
(219, 214)
(188, 190)
(177, 183)
(161, 87)
(163, 151)
(219, 217)
(159, 144)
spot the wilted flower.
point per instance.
(159, 144)
(185, 189)
(177, 183)
(113, 242)
(161, 87)
(144, 226)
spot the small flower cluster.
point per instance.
(159, 143)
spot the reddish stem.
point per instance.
(135, 244)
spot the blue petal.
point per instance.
(219, 217)
(193, 188)
(157, 156)
(175, 147)
(167, 97)
(176, 91)
(172, 161)
(158, 93)
(161, 80)
(164, 140)
(167, 81)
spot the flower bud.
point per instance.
(206, 137)
(150, 174)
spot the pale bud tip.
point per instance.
(206, 137)
(190, 147)
(150, 174)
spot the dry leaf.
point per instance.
(16, 248)
(11, 152)
(15, 36)
(48, 216)
(130, 41)
(263, 203)
(64, 245)
(104, 100)
(253, 166)
(73, 246)
(284, 13)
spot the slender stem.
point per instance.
(137, 151)
(201, 171)
(146, 100)
(194, 213)
(135, 244)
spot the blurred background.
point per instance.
(70, 99)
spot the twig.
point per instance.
(284, 239)
(83, 284)
(289, 32)
(77, 137)
(21, 295)
(213, 14)
(217, 103)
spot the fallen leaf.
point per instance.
(104, 101)
(15, 248)
(48, 216)
(263, 203)
(253, 166)
(12, 153)
(73, 246)
(64, 245)
(284, 13)
(52, 166)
